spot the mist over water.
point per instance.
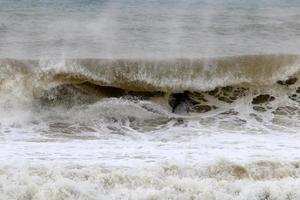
(89, 103)
(131, 28)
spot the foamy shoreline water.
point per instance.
(222, 180)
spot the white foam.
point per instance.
(163, 181)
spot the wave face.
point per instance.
(226, 78)
(159, 75)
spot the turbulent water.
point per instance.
(89, 105)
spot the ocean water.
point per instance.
(87, 90)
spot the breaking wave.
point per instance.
(264, 89)
(161, 75)
(118, 77)
(59, 100)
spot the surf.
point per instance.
(224, 79)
